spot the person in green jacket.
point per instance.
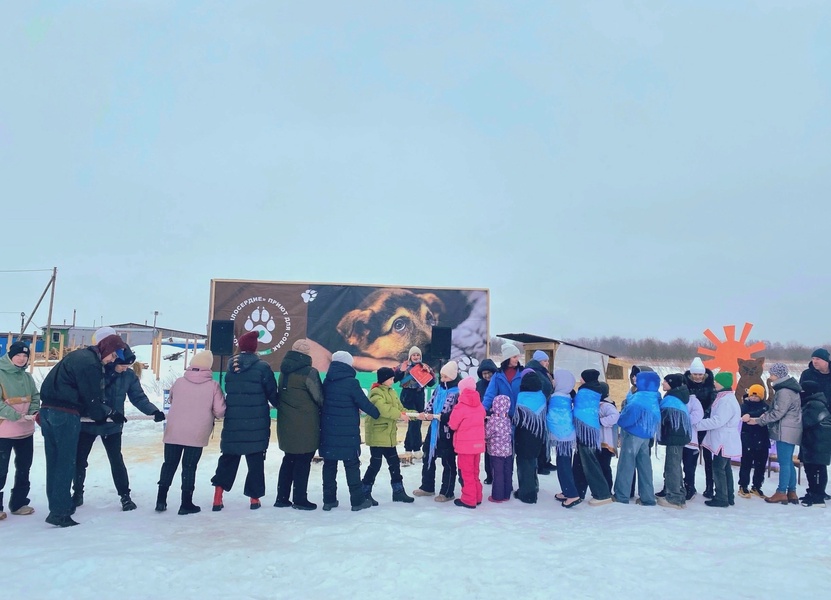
(19, 404)
(381, 435)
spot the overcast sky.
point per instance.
(648, 170)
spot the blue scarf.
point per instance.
(587, 417)
(678, 413)
(438, 406)
(642, 415)
(560, 421)
(530, 413)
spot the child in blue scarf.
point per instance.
(639, 423)
(675, 433)
(562, 436)
(529, 435)
(587, 425)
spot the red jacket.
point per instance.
(468, 422)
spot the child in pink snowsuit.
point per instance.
(468, 422)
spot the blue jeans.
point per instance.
(634, 454)
(60, 442)
(787, 472)
(566, 476)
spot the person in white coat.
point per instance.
(723, 439)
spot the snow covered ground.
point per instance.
(425, 549)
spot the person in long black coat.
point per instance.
(815, 448)
(340, 431)
(249, 389)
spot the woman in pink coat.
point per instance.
(468, 422)
(195, 401)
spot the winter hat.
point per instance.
(604, 390)
(822, 354)
(203, 360)
(724, 379)
(509, 351)
(590, 375)
(414, 350)
(127, 357)
(468, 383)
(780, 370)
(756, 390)
(809, 388)
(18, 348)
(101, 333)
(450, 370)
(385, 373)
(342, 356)
(110, 344)
(674, 380)
(530, 381)
(247, 342)
(637, 369)
(302, 346)
(697, 367)
(540, 356)
(647, 381)
(501, 404)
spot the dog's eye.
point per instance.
(400, 324)
(430, 320)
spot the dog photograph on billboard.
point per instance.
(377, 324)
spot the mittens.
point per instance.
(158, 416)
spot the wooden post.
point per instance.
(47, 343)
(187, 342)
(60, 348)
(158, 356)
(33, 353)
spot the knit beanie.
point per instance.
(822, 354)
(637, 369)
(590, 375)
(468, 383)
(302, 346)
(540, 356)
(247, 342)
(724, 379)
(203, 360)
(756, 390)
(18, 348)
(697, 367)
(530, 381)
(385, 373)
(450, 370)
(780, 370)
(674, 380)
(809, 388)
(509, 351)
(101, 333)
(342, 356)
(414, 350)
(127, 357)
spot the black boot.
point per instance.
(399, 494)
(161, 499)
(368, 494)
(188, 507)
(60, 521)
(127, 503)
(78, 498)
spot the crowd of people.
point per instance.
(515, 416)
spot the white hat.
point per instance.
(697, 367)
(450, 370)
(342, 356)
(414, 350)
(509, 350)
(203, 360)
(101, 333)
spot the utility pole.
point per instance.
(47, 344)
(22, 322)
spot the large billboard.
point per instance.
(376, 324)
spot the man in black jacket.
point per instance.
(73, 388)
(819, 370)
(702, 385)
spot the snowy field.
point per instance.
(398, 551)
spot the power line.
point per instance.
(26, 271)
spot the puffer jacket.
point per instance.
(196, 400)
(823, 379)
(20, 397)
(76, 384)
(467, 420)
(784, 419)
(815, 448)
(722, 426)
(249, 388)
(118, 387)
(299, 404)
(382, 432)
(343, 399)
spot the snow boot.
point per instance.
(327, 506)
(188, 507)
(399, 494)
(754, 491)
(78, 498)
(304, 504)
(281, 503)
(161, 499)
(661, 494)
(367, 503)
(743, 492)
(60, 521)
(127, 503)
(255, 504)
(368, 493)
(217, 506)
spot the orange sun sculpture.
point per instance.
(725, 356)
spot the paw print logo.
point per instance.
(467, 365)
(309, 296)
(261, 322)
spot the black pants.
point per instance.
(544, 458)
(708, 462)
(189, 455)
(817, 478)
(353, 481)
(723, 479)
(413, 439)
(293, 478)
(112, 444)
(23, 453)
(448, 473)
(226, 473)
(592, 473)
(604, 457)
(376, 455)
(753, 458)
(526, 473)
(488, 467)
(689, 460)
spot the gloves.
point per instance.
(158, 416)
(117, 417)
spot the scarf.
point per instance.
(530, 413)
(560, 422)
(642, 414)
(438, 407)
(587, 417)
(678, 413)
